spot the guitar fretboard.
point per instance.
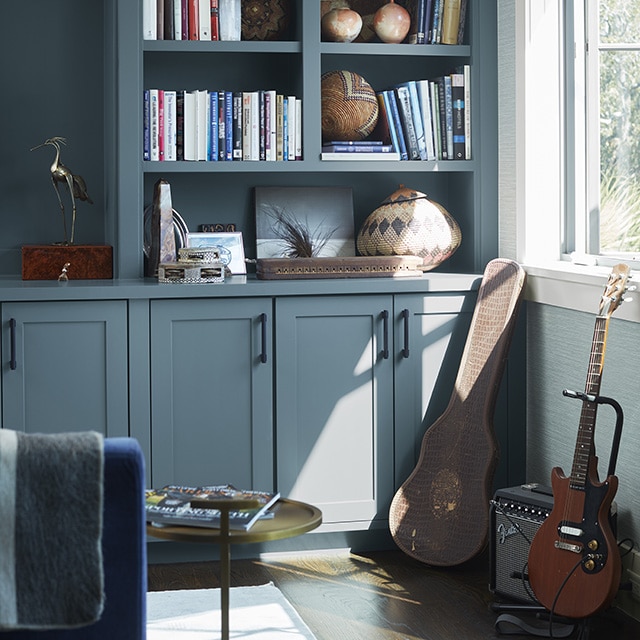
(585, 441)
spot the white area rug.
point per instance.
(259, 613)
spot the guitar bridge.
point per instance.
(567, 546)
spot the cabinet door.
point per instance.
(65, 367)
(334, 399)
(427, 356)
(211, 392)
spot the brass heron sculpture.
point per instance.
(75, 183)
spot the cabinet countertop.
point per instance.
(13, 289)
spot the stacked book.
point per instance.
(440, 21)
(191, 20)
(221, 125)
(358, 150)
(428, 119)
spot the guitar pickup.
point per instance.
(566, 530)
(567, 546)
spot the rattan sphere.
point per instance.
(408, 223)
(349, 106)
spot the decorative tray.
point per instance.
(348, 267)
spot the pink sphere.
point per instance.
(391, 23)
(341, 25)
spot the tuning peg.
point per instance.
(631, 288)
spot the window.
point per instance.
(604, 82)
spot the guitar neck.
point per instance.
(585, 448)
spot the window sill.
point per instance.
(577, 287)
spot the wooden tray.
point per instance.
(86, 262)
(349, 267)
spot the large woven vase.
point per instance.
(408, 223)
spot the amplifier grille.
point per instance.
(516, 516)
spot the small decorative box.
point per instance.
(191, 272)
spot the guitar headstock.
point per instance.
(614, 290)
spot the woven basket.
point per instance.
(408, 223)
(349, 106)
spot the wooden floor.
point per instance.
(379, 596)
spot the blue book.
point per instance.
(416, 116)
(228, 125)
(285, 129)
(397, 124)
(213, 126)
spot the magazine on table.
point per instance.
(172, 505)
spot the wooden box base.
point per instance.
(86, 262)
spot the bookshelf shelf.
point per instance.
(467, 188)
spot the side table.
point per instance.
(291, 518)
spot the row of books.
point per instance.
(440, 21)
(428, 119)
(221, 125)
(172, 505)
(191, 20)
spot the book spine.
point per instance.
(230, 20)
(190, 149)
(457, 101)
(435, 118)
(169, 17)
(466, 72)
(386, 130)
(397, 123)
(425, 109)
(160, 124)
(421, 21)
(204, 20)
(215, 20)
(246, 125)
(228, 124)
(448, 103)
(146, 126)
(418, 124)
(179, 125)
(177, 19)
(463, 20)
(450, 21)
(428, 17)
(149, 20)
(213, 126)
(404, 107)
(291, 129)
(194, 22)
(170, 117)
(202, 123)
(221, 126)
(237, 125)
(345, 148)
(159, 19)
(154, 153)
(298, 146)
(272, 124)
(442, 116)
(262, 126)
(279, 126)
(254, 136)
(267, 125)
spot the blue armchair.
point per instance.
(123, 548)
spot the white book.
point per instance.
(190, 146)
(291, 128)
(230, 19)
(149, 20)
(298, 149)
(425, 110)
(204, 19)
(177, 20)
(435, 118)
(202, 124)
(170, 125)
(154, 125)
(255, 126)
(466, 70)
(362, 155)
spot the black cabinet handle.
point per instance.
(405, 348)
(263, 326)
(385, 334)
(13, 365)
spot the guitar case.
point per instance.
(440, 514)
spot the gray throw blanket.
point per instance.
(50, 530)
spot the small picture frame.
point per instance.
(230, 246)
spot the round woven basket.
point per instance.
(349, 106)
(408, 223)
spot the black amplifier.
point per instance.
(516, 516)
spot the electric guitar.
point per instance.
(574, 563)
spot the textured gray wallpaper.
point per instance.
(558, 349)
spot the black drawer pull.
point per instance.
(13, 365)
(405, 348)
(263, 323)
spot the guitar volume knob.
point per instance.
(589, 565)
(593, 545)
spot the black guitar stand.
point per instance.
(509, 624)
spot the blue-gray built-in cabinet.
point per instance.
(305, 386)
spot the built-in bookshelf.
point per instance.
(210, 191)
